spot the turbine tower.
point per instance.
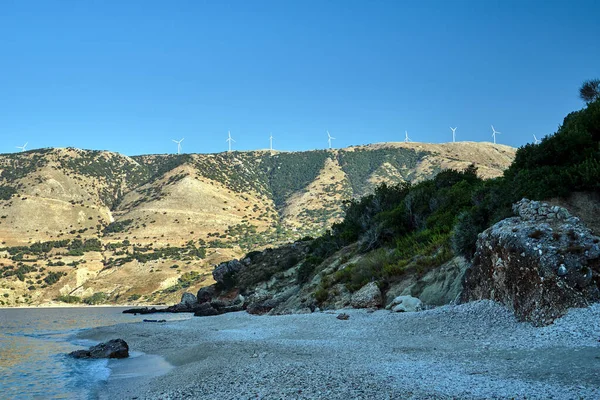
(536, 140)
(271, 142)
(494, 133)
(229, 140)
(406, 138)
(178, 145)
(453, 134)
(329, 139)
(22, 147)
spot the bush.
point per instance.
(321, 295)
(53, 277)
(6, 192)
(307, 268)
(68, 299)
(96, 298)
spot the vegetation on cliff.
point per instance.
(415, 227)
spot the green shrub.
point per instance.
(96, 298)
(307, 268)
(68, 299)
(321, 295)
(53, 277)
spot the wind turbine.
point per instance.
(453, 133)
(229, 139)
(271, 142)
(178, 145)
(406, 138)
(22, 147)
(536, 140)
(494, 133)
(330, 138)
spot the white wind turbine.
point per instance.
(271, 142)
(178, 145)
(406, 138)
(494, 133)
(329, 139)
(536, 140)
(453, 133)
(22, 147)
(229, 140)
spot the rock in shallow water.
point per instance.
(116, 348)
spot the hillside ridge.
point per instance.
(111, 216)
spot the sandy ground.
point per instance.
(472, 351)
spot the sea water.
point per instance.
(34, 343)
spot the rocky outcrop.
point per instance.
(539, 264)
(369, 296)
(205, 310)
(116, 348)
(224, 272)
(440, 286)
(206, 294)
(188, 299)
(405, 304)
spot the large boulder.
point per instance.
(116, 348)
(405, 304)
(369, 296)
(188, 299)
(205, 310)
(224, 272)
(206, 294)
(539, 264)
(262, 307)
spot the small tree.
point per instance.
(590, 90)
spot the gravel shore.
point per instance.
(471, 351)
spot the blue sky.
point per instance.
(130, 76)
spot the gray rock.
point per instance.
(116, 348)
(562, 270)
(188, 299)
(206, 294)
(537, 266)
(405, 304)
(205, 310)
(369, 296)
(263, 307)
(226, 270)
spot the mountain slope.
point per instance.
(145, 211)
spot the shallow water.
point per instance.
(33, 344)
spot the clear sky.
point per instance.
(130, 76)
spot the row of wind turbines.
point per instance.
(407, 139)
(230, 140)
(494, 133)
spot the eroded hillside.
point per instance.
(142, 216)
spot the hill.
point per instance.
(153, 225)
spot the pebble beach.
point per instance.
(471, 351)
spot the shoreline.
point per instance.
(475, 350)
(66, 305)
